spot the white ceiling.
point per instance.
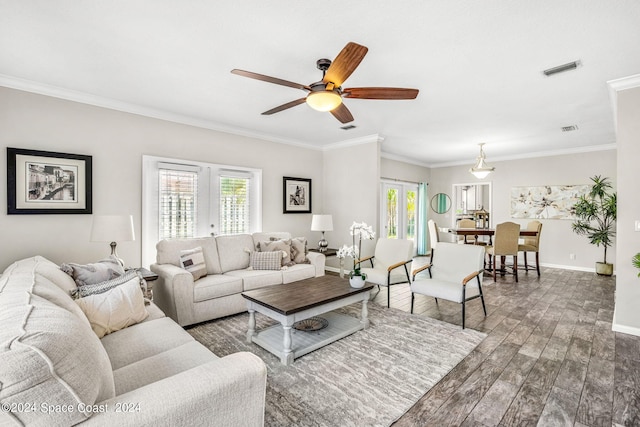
(478, 66)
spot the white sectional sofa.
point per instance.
(55, 371)
(228, 274)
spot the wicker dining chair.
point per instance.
(505, 243)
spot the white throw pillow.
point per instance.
(115, 309)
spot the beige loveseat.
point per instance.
(55, 371)
(218, 294)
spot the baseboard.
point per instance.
(332, 269)
(562, 267)
(629, 330)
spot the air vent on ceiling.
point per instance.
(561, 68)
(569, 128)
(347, 127)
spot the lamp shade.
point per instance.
(324, 100)
(481, 169)
(112, 228)
(322, 223)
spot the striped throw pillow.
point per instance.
(192, 260)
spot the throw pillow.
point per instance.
(90, 274)
(192, 260)
(102, 287)
(266, 260)
(115, 309)
(278, 245)
(299, 250)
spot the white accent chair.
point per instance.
(450, 276)
(389, 256)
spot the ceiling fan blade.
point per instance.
(284, 106)
(380, 93)
(269, 79)
(342, 113)
(345, 63)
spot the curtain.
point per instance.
(423, 204)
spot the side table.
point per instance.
(148, 276)
(329, 252)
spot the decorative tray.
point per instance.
(311, 324)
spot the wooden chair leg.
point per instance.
(515, 267)
(493, 267)
(526, 264)
(538, 264)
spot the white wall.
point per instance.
(402, 171)
(351, 177)
(557, 239)
(117, 141)
(627, 316)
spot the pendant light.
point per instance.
(481, 169)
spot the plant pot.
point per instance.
(356, 282)
(604, 269)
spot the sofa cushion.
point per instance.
(278, 245)
(102, 287)
(216, 286)
(233, 253)
(298, 272)
(143, 340)
(116, 308)
(89, 274)
(162, 365)
(192, 260)
(47, 354)
(262, 236)
(299, 250)
(266, 260)
(168, 252)
(253, 279)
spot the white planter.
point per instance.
(356, 282)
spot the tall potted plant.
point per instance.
(596, 214)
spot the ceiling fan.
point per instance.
(327, 94)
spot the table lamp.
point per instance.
(112, 228)
(322, 223)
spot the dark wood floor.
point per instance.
(550, 357)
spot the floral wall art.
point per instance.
(546, 202)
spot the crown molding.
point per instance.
(616, 86)
(550, 153)
(127, 107)
(355, 141)
(403, 159)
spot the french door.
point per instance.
(398, 210)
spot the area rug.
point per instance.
(370, 378)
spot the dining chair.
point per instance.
(466, 223)
(505, 243)
(386, 264)
(532, 244)
(451, 276)
(434, 236)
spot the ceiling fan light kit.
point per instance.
(327, 94)
(481, 169)
(324, 100)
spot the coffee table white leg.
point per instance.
(287, 354)
(252, 326)
(365, 314)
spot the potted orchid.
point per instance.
(361, 231)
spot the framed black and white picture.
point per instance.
(45, 182)
(296, 195)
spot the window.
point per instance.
(184, 199)
(178, 207)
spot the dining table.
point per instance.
(486, 232)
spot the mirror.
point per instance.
(440, 203)
(472, 201)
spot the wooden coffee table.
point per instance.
(293, 302)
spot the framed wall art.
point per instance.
(546, 202)
(45, 182)
(296, 195)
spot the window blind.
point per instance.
(178, 191)
(234, 204)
